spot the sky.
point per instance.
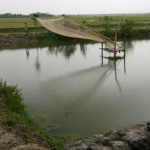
(75, 6)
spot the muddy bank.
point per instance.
(34, 40)
(17, 136)
(134, 138)
(7, 40)
(29, 39)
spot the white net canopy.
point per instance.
(66, 26)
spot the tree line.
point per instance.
(10, 15)
(126, 27)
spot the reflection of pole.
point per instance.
(115, 45)
(125, 54)
(117, 29)
(117, 82)
(115, 69)
(102, 52)
(37, 62)
(27, 53)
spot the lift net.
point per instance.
(66, 26)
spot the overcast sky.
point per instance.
(75, 6)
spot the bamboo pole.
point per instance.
(102, 52)
(117, 29)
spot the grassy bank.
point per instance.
(15, 119)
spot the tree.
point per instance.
(127, 28)
(107, 25)
(35, 15)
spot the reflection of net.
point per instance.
(67, 27)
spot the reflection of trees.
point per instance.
(37, 62)
(128, 44)
(27, 53)
(67, 50)
(83, 49)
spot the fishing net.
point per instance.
(66, 26)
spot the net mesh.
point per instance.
(66, 26)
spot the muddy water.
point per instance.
(68, 92)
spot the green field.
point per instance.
(16, 22)
(97, 22)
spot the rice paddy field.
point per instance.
(142, 22)
(98, 22)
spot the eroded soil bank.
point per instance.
(7, 40)
(17, 136)
(19, 40)
(28, 39)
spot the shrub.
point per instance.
(127, 28)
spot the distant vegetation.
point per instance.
(127, 28)
(9, 15)
(107, 25)
(131, 25)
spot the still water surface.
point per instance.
(68, 92)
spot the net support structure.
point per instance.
(66, 26)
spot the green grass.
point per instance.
(89, 20)
(16, 113)
(17, 22)
(98, 21)
(17, 25)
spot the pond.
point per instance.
(68, 92)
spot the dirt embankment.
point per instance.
(134, 138)
(7, 40)
(17, 136)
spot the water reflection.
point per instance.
(128, 44)
(37, 62)
(67, 50)
(125, 70)
(83, 48)
(114, 59)
(27, 53)
(70, 92)
(116, 78)
(80, 87)
(80, 95)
